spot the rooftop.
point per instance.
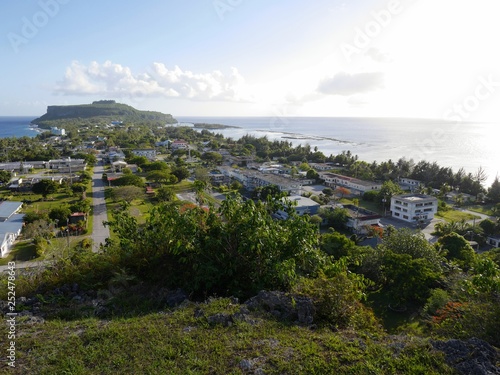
(414, 197)
(8, 208)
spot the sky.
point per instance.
(398, 58)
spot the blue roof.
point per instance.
(8, 208)
(13, 225)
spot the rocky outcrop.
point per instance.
(470, 357)
(284, 306)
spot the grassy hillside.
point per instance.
(105, 109)
(188, 340)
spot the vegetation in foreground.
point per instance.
(117, 318)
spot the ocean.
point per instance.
(455, 145)
(16, 126)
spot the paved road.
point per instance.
(100, 232)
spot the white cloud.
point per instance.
(349, 84)
(378, 56)
(110, 79)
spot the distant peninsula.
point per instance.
(213, 126)
(102, 110)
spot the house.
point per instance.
(115, 155)
(76, 217)
(149, 153)
(118, 165)
(321, 166)
(67, 165)
(414, 207)
(302, 206)
(11, 224)
(217, 178)
(9, 208)
(360, 186)
(360, 219)
(409, 183)
(162, 143)
(251, 179)
(493, 241)
(56, 131)
(179, 144)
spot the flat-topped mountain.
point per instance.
(104, 109)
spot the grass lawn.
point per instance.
(371, 206)
(485, 209)
(22, 251)
(182, 186)
(454, 215)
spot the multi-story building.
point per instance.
(414, 207)
(359, 186)
(409, 183)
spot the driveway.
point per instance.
(99, 212)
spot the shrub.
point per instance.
(337, 301)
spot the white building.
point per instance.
(149, 153)
(56, 131)
(252, 179)
(360, 219)
(179, 145)
(414, 207)
(360, 186)
(67, 165)
(493, 241)
(409, 183)
(11, 224)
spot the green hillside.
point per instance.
(104, 109)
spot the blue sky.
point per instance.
(409, 58)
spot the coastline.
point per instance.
(469, 146)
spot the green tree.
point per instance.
(336, 244)
(236, 249)
(129, 180)
(161, 177)
(405, 241)
(407, 279)
(127, 193)
(181, 173)
(387, 191)
(59, 215)
(457, 249)
(82, 205)
(165, 194)
(212, 157)
(45, 187)
(337, 217)
(312, 174)
(409, 266)
(78, 188)
(494, 191)
(5, 176)
(489, 227)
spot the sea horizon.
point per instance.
(467, 144)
